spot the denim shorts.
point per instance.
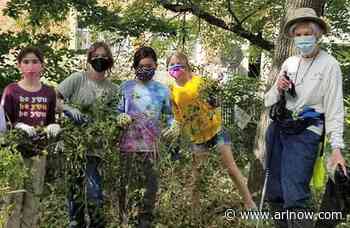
(221, 138)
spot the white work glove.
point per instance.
(172, 132)
(123, 120)
(74, 112)
(52, 130)
(25, 127)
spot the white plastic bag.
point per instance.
(242, 118)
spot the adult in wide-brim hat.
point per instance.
(306, 104)
(303, 15)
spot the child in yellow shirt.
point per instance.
(202, 122)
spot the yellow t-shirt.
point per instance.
(201, 121)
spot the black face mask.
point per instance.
(100, 64)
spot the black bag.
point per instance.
(336, 198)
(294, 127)
(32, 146)
(278, 111)
(283, 117)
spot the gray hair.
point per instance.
(316, 28)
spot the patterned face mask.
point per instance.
(145, 74)
(176, 70)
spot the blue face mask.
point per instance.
(305, 44)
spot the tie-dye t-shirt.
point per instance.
(147, 103)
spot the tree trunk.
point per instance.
(254, 65)
(284, 48)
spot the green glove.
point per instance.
(123, 120)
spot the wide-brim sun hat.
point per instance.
(302, 15)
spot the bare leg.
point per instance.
(236, 175)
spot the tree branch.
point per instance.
(255, 11)
(213, 20)
(249, 15)
(229, 7)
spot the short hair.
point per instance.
(143, 52)
(97, 45)
(182, 57)
(30, 50)
(316, 28)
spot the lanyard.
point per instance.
(306, 72)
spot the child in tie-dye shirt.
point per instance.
(143, 103)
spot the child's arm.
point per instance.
(123, 118)
(173, 128)
(121, 105)
(167, 110)
(2, 120)
(51, 111)
(65, 91)
(52, 129)
(8, 104)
